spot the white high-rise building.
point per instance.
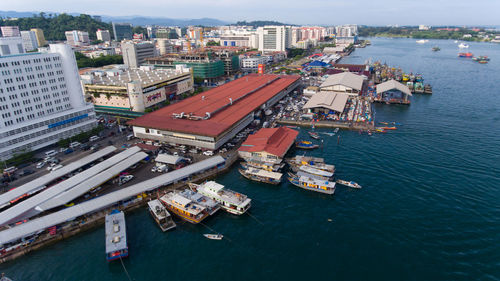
(274, 38)
(103, 35)
(10, 31)
(30, 42)
(41, 100)
(11, 46)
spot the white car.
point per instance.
(52, 165)
(40, 165)
(56, 167)
(153, 169)
(208, 153)
(93, 138)
(74, 144)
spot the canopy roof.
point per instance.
(393, 85)
(333, 101)
(346, 79)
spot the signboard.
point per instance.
(262, 68)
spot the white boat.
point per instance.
(349, 183)
(214, 236)
(307, 183)
(201, 199)
(161, 215)
(336, 130)
(422, 41)
(314, 171)
(463, 46)
(231, 201)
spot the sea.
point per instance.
(429, 208)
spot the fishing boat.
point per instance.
(419, 87)
(349, 183)
(302, 159)
(384, 123)
(184, 208)
(482, 61)
(465, 55)
(210, 205)
(231, 201)
(214, 236)
(463, 46)
(300, 173)
(390, 128)
(436, 48)
(306, 145)
(261, 175)
(307, 183)
(380, 130)
(318, 172)
(427, 89)
(298, 161)
(161, 215)
(116, 236)
(422, 41)
(410, 86)
(314, 135)
(262, 165)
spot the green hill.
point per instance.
(54, 26)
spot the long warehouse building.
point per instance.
(212, 118)
(17, 211)
(45, 179)
(99, 203)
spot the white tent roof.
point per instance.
(333, 101)
(393, 85)
(168, 159)
(347, 79)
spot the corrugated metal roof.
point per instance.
(333, 101)
(101, 202)
(347, 79)
(43, 180)
(393, 85)
(14, 212)
(168, 159)
(275, 141)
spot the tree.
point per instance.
(213, 43)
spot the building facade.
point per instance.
(135, 53)
(42, 100)
(10, 31)
(11, 46)
(40, 38)
(103, 35)
(122, 31)
(274, 38)
(29, 40)
(77, 38)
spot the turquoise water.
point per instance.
(429, 208)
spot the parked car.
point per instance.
(154, 169)
(68, 151)
(26, 172)
(51, 165)
(125, 179)
(93, 138)
(74, 144)
(84, 146)
(162, 168)
(40, 165)
(95, 146)
(56, 167)
(208, 153)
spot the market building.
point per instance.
(345, 82)
(268, 145)
(210, 119)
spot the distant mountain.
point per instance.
(134, 20)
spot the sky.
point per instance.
(369, 12)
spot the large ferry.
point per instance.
(161, 215)
(184, 207)
(207, 202)
(307, 183)
(261, 175)
(231, 201)
(116, 236)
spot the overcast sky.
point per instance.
(371, 12)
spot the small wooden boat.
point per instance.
(436, 48)
(349, 183)
(214, 236)
(336, 130)
(465, 55)
(427, 89)
(389, 128)
(314, 135)
(306, 145)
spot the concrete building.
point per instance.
(122, 31)
(135, 53)
(103, 35)
(41, 100)
(122, 91)
(10, 31)
(250, 40)
(29, 40)
(274, 38)
(165, 46)
(77, 38)
(210, 119)
(252, 63)
(40, 38)
(312, 33)
(11, 46)
(205, 66)
(268, 145)
(346, 34)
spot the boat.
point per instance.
(328, 134)
(380, 130)
(349, 183)
(419, 87)
(116, 236)
(390, 128)
(184, 208)
(422, 41)
(314, 135)
(384, 123)
(302, 159)
(410, 86)
(262, 165)
(318, 172)
(261, 175)
(427, 89)
(214, 236)
(336, 130)
(465, 55)
(463, 46)
(327, 187)
(482, 61)
(306, 145)
(161, 215)
(210, 205)
(231, 201)
(436, 48)
(296, 163)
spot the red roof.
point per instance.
(274, 141)
(227, 104)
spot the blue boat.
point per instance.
(306, 145)
(116, 236)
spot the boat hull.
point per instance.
(296, 183)
(257, 179)
(184, 217)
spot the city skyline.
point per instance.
(316, 12)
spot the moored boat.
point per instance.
(214, 236)
(184, 208)
(261, 175)
(306, 145)
(336, 130)
(389, 128)
(418, 87)
(207, 202)
(261, 165)
(318, 172)
(161, 215)
(349, 183)
(231, 201)
(302, 159)
(314, 135)
(465, 55)
(307, 183)
(427, 89)
(116, 236)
